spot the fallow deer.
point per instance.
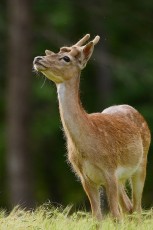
(105, 149)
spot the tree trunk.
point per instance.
(19, 163)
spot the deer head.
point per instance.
(68, 62)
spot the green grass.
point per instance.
(49, 218)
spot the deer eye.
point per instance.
(66, 58)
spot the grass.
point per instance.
(50, 218)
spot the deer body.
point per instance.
(98, 132)
(105, 149)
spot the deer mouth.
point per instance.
(39, 66)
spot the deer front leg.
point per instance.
(113, 196)
(94, 198)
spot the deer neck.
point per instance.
(72, 114)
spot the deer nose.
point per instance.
(37, 59)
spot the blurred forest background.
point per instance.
(33, 167)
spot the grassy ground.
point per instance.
(48, 218)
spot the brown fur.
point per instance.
(105, 149)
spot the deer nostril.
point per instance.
(38, 58)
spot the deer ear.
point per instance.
(87, 51)
(48, 52)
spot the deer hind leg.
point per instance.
(138, 180)
(125, 202)
(94, 198)
(113, 196)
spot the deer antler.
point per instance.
(74, 49)
(79, 46)
(96, 40)
(83, 40)
(86, 38)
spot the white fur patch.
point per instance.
(125, 172)
(125, 109)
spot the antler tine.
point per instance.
(96, 40)
(83, 40)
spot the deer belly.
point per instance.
(123, 173)
(92, 173)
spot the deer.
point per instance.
(105, 149)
